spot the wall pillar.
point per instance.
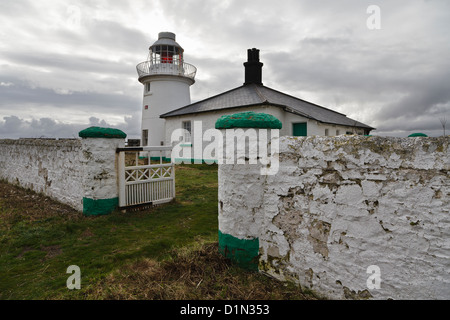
(100, 181)
(241, 173)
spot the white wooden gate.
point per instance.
(142, 180)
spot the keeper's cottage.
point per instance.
(166, 104)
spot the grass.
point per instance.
(166, 252)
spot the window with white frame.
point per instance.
(186, 125)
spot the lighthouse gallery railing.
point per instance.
(175, 67)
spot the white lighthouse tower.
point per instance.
(166, 79)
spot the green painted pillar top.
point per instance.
(248, 120)
(99, 132)
(418, 134)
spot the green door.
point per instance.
(299, 129)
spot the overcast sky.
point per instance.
(67, 65)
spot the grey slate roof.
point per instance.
(253, 95)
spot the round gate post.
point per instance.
(100, 179)
(242, 173)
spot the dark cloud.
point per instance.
(61, 61)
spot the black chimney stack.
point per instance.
(253, 68)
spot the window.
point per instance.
(337, 132)
(167, 54)
(186, 125)
(327, 132)
(147, 87)
(144, 137)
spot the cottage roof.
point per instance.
(254, 94)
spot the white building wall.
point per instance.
(208, 120)
(314, 128)
(167, 93)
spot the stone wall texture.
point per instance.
(339, 206)
(51, 167)
(79, 172)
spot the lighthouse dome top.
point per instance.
(165, 38)
(166, 58)
(166, 35)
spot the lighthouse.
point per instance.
(167, 80)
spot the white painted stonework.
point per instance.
(340, 205)
(66, 170)
(51, 167)
(167, 93)
(99, 166)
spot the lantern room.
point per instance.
(165, 57)
(166, 50)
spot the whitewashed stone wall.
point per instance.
(79, 172)
(52, 167)
(100, 167)
(339, 205)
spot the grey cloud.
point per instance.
(116, 37)
(411, 89)
(12, 127)
(20, 95)
(394, 78)
(62, 64)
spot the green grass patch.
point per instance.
(41, 238)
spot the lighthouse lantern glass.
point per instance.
(166, 54)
